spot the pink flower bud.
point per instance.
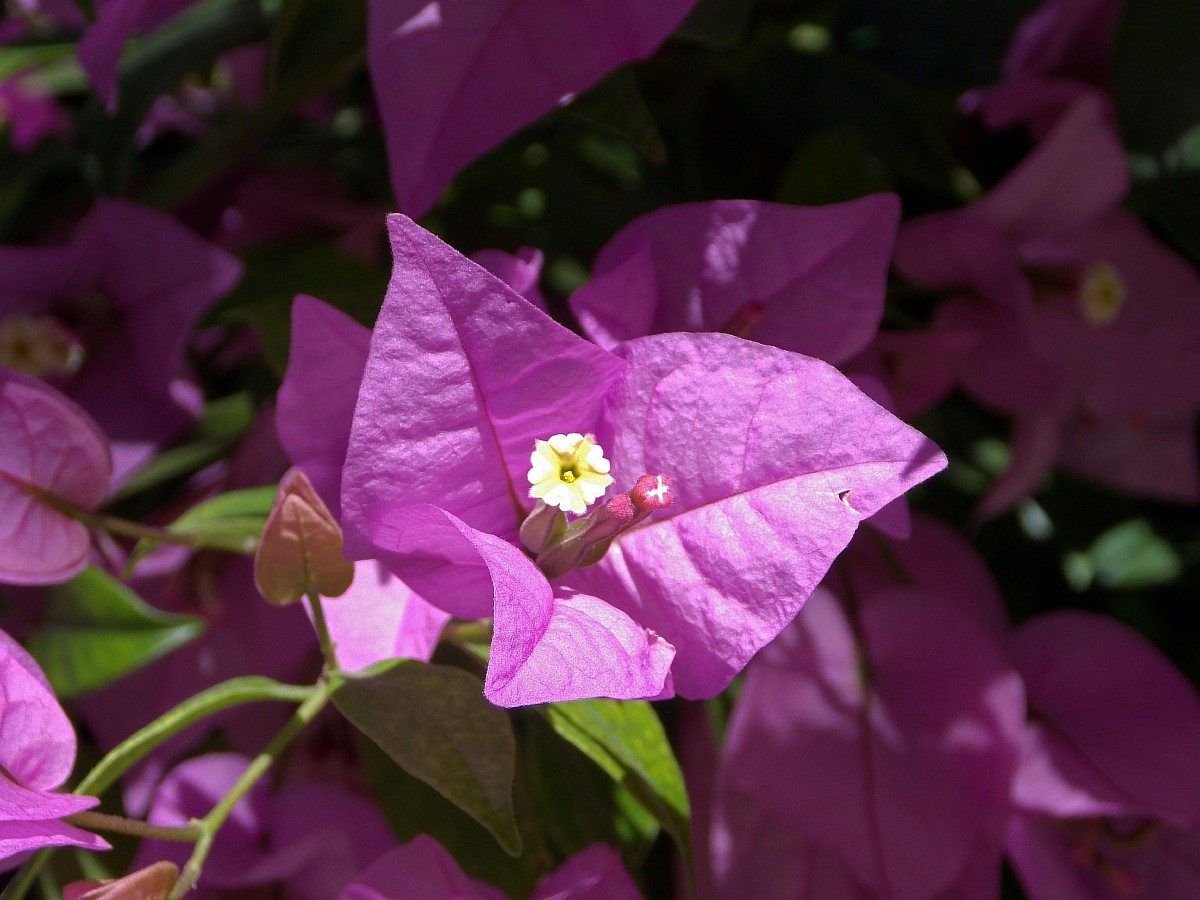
(301, 546)
(652, 492)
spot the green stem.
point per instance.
(229, 693)
(121, 758)
(111, 524)
(97, 821)
(328, 648)
(216, 817)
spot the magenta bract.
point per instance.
(773, 457)
(37, 751)
(454, 79)
(809, 279)
(47, 443)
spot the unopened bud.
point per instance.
(585, 541)
(588, 537)
(151, 883)
(542, 527)
(652, 492)
(301, 546)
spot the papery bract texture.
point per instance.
(884, 739)
(463, 376)
(380, 617)
(809, 279)
(545, 648)
(315, 406)
(775, 459)
(47, 443)
(455, 78)
(37, 751)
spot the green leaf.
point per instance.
(223, 423)
(578, 804)
(434, 722)
(1131, 555)
(52, 67)
(412, 807)
(234, 692)
(1152, 58)
(231, 521)
(628, 742)
(310, 32)
(616, 106)
(716, 23)
(833, 166)
(96, 630)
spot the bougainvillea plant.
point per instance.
(516, 448)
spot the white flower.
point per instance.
(569, 472)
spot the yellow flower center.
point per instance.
(38, 346)
(568, 472)
(1102, 294)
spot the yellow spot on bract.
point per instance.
(568, 472)
(38, 346)
(1102, 294)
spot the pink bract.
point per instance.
(809, 279)
(453, 79)
(47, 443)
(774, 458)
(37, 751)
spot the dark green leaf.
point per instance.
(434, 722)
(578, 803)
(412, 807)
(834, 166)
(1154, 57)
(309, 33)
(628, 742)
(96, 630)
(616, 106)
(320, 42)
(717, 23)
